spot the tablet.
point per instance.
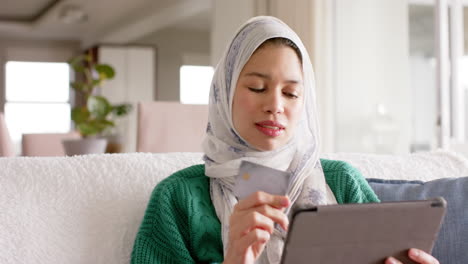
(362, 233)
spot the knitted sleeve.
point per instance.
(163, 235)
(347, 183)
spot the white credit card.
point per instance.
(255, 177)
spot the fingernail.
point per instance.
(392, 260)
(285, 202)
(414, 253)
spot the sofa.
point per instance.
(87, 209)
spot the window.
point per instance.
(37, 98)
(195, 84)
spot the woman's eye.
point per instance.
(292, 95)
(256, 90)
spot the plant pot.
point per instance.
(114, 143)
(84, 146)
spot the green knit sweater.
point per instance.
(180, 223)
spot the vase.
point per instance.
(84, 146)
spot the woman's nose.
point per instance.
(274, 103)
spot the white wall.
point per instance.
(372, 67)
(465, 94)
(228, 16)
(423, 76)
(424, 100)
(173, 45)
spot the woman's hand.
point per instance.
(417, 255)
(251, 225)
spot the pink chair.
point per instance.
(171, 127)
(45, 145)
(6, 143)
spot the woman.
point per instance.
(262, 109)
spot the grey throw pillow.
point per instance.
(452, 243)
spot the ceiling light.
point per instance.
(72, 14)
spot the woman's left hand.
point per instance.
(417, 255)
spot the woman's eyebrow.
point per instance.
(258, 74)
(268, 77)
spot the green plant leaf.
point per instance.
(79, 68)
(78, 60)
(99, 107)
(105, 71)
(96, 82)
(93, 127)
(93, 118)
(78, 86)
(103, 124)
(87, 129)
(79, 115)
(121, 109)
(79, 63)
(88, 57)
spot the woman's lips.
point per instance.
(270, 128)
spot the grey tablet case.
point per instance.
(363, 233)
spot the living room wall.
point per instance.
(373, 95)
(173, 47)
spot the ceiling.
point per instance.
(23, 10)
(99, 21)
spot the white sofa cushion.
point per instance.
(84, 209)
(87, 209)
(422, 166)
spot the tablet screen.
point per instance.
(363, 233)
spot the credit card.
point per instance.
(255, 177)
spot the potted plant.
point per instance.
(95, 115)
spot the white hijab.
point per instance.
(224, 148)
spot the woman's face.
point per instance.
(268, 99)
